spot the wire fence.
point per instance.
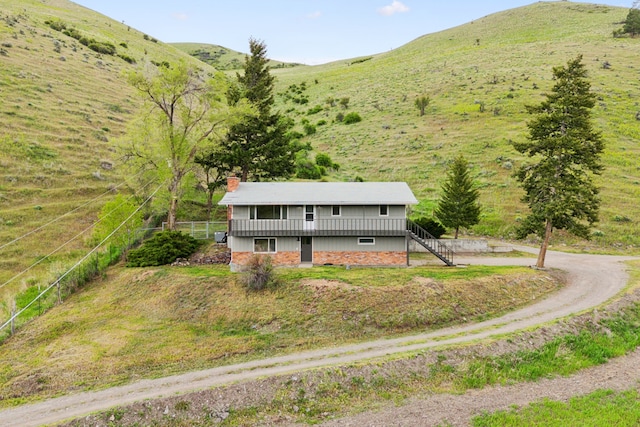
(200, 229)
(24, 308)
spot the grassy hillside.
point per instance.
(149, 322)
(479, 77)
(222, 58)
(62, 107)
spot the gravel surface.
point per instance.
(592, 280)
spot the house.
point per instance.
(320, 223)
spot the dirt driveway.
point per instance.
(592, 280)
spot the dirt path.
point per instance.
(593, 279)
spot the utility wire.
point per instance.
(67, 242)
(57, 281)
(60, 217)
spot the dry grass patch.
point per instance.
(160, 321)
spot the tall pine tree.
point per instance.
(259, 146)
(559, 186)
(458, 206)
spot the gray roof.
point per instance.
(320, 193)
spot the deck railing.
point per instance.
(318, 227)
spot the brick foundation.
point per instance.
(279, 258)
(335, 258)
(360, 258)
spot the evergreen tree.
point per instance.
(259, 146)
(559, 188)
(632, 23)
(458, 205)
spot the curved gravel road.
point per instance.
(592, 280)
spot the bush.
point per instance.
(352, 118)
(309, 129)
(307, 170)
(431, 226)
(102, 47)
(72, 32)
(163, 248)
(314, 110)
(56, 24)
(127, 58)
(258, 274)
(323, 159)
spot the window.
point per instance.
(366, 240)
(309, 213)
(335, 210)
(268, 212)
(264, 245)
(384, 210)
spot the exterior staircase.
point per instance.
(430, 243)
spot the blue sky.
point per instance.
(306, 31)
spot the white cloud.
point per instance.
(314, 15)
(395, 7)
(180, 16)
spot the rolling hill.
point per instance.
(222, 58)
(479, 77)
(64, 107)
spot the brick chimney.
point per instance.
(232, 183)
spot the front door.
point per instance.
(306, 249)
(309, 217)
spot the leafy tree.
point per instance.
(182, 111)
(421, 103)
(260, 145)
(632, 23)
(559, 188)
(458, 205)
(114, 213)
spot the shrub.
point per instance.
(56, 24)
(431, 226)
(163, 248)
(309, 129)
(307, 170)
(73, 32)
(323, 159)
(127, 58)
(314, 110)
(258, 274)
(339, 117)
(352, 118)
(102, 47)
